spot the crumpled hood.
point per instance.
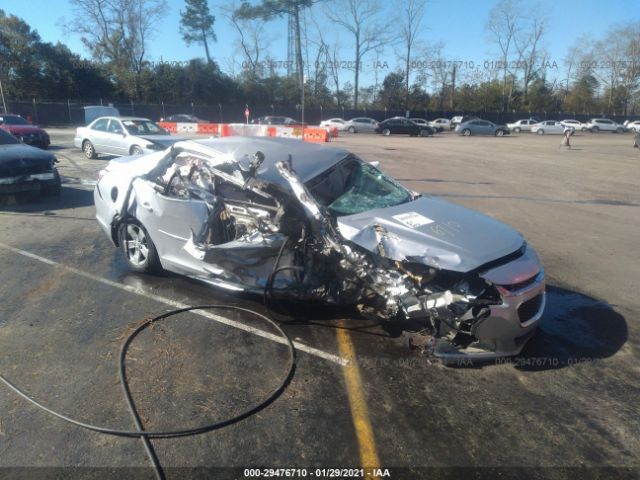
(432, 231)
(164, 140)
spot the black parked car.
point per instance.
(26, 169)
(403, 126)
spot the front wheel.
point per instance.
(138, 249)
(424, 133)
(620, 130)
(89, 150)
(540, 132)
(352, 130)
(499, 133)
(386, 132)
(466, 132)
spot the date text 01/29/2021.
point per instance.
(317, 473)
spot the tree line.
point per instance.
(598, 74)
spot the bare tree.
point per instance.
(251, 39)
(528, 46)
(117, 31)
(503, 25)
(357, 16)
(411, 15)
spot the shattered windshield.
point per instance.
(352, 187)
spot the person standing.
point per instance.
(566, 133)
(636, 141)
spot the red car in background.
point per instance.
(24, 131)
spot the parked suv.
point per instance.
(596, 124)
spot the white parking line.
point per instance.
(174, 304)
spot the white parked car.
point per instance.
(445, 123)
(551, 127)
(596, 124)
(633, 125)
(575, 124)
(523, 125)
(122, 136)
(338, 123)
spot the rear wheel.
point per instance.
(499, 133)
(424, 133)
(516, 130)
(619, 130)
(466, 132)
(136, 150)
(88, 149)
(595, 129)
(540, 132)
(386, 132)
(138, 249)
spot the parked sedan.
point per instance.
(577, 125)
(361, 124)
(550, 127)
(481, 127)
(403, 126)
(24, 131)
(24, 168)
(122, 136)
(425, 123)
(184, 118)
(275, 120)
(325, 226)
(633, 126)
(338, 123)
(457, 120)
(444, 123)
(523, 125)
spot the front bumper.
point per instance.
(521, 284)
(35, 182)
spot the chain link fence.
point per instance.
(71, 113)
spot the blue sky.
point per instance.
(460, 24)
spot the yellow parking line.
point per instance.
(359, 410)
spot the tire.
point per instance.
(138, 248)
(352, 130)
(89, 150)
(620, 130)
(583, 129)
(516, 130)
(136, 150)
(466, 132)
(424, 133)
(386, 132)
(499, 133)
(595, 129)
(540, 131)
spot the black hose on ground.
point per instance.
(145, 435)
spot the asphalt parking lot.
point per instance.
(568, 405)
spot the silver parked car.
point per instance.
(361, 124)
(523, 125)
(122, 136)
(481, 127)
(289, 219)
(596, 125)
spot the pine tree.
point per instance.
(196, 24)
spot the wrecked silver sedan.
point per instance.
(291, 219)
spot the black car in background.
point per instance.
(26, 169)
(183, 118)
(403, 126)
